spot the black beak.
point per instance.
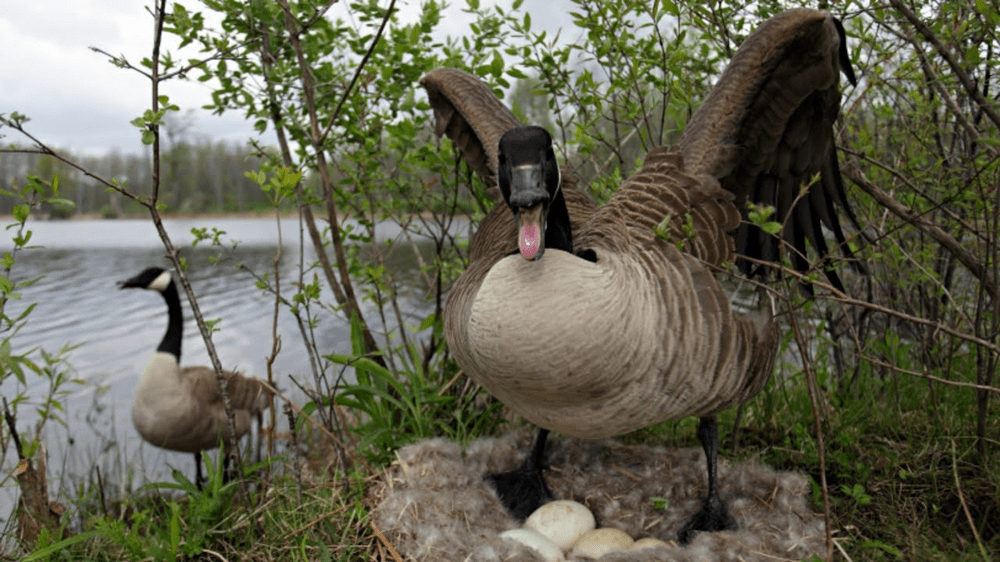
(529, 199)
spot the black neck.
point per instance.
(175, 323)
(558, 233)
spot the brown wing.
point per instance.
(246, 393)
(469, 113)
(766, 130)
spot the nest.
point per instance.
(432, 503)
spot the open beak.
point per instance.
(531, 232)
(529, 199)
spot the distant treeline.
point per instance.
(203, 176)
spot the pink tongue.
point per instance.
(529, 241)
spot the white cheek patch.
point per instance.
(161, 282)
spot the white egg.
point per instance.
(597, 543)
(535, 541)
(562, 522)
(648, 542)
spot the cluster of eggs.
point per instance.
(564, 528)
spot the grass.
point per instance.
(276, 518)
(905, 478)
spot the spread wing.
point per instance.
(471, 115)
(766, 131)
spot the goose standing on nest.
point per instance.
(582, 319)
(181, 409)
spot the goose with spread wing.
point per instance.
(596, 321)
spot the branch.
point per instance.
(977, 267)
(357, 71)
(122, 62)
(9, 418)
(838, 296)
(174, 255)
(351, 301)
(968, 83)
(47, 151)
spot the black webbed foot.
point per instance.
(711, 517)
(523, 490)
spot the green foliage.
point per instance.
(280, 185)
(759, 214)
(899, 388)
(150, 121)
(16, 362)
(394, 410)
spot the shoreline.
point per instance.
(94, 216)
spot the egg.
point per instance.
(648, 542)
(599, 542)
(536, 542)
(562, 522)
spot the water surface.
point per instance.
(116, 330)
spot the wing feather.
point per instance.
(766, 130)
(469, 113)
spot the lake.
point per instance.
(116, 331)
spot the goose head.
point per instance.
(152, 278)
(529, 180)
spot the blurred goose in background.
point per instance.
(585, 321)
(180, 408)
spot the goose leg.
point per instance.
(523, 490)
(198, 478)
(712, 516)
(227, 455)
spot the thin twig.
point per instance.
(842, 551)
(385, 542)
(451, 382)
(968, 83)
(12, 425)
(296, 469)
(965, 507)
(100, 491)
(340, 284)
(812, 386)
(357, 72)
(968, 259)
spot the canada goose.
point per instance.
(584, 320)
(179, 408)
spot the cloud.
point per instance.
(78, 100)
(74, 96)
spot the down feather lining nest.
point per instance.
(432, 503)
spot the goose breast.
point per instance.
(614, 350)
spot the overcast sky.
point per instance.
(77, 100)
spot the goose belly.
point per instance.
(592, 349)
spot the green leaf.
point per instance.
(771, 227)
(496, 66)
(21, 213)
(427, 322)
